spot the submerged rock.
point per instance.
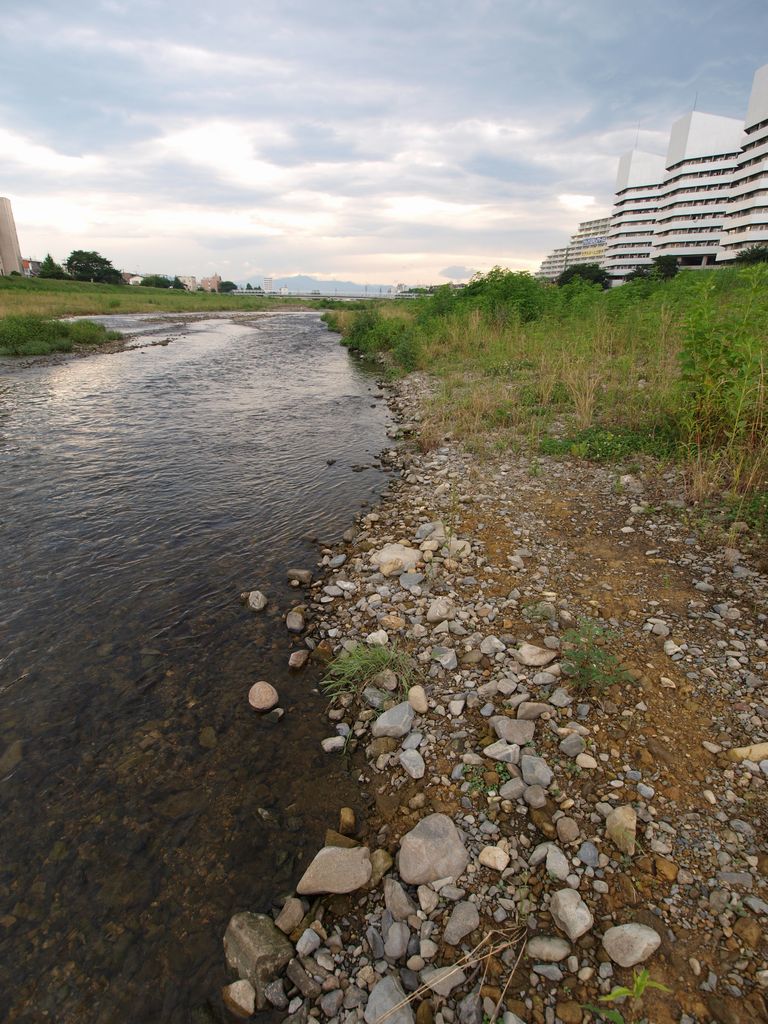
(262, 696)
(257, 950)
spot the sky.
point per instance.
(411, 141)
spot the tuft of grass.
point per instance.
(590, 667)
(599, 444)
(353, 670)
(32, 335)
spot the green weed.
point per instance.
(353, 670)
(590, 666)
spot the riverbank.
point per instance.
(556, 801)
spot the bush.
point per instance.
(37, 335)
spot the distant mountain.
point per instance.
(303, 283)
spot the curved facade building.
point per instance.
(10, 254)
(747, 223)
(629, 244)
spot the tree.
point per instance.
(753, 254)
(664, 267)
(588, 271)
(227, 286)
(248, 287)
(156, 281)
(50, 268)
(178, 284)
(86, 265)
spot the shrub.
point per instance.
(37, 335)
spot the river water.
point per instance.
(142, 802)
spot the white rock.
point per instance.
(257, 601)
(395, 722)
(630, 944)
(440, 609)
(570, 913)
(548, 948)
(393, 559)
(379, 638)
(534, 657)
(494, 857)
(432, 850)
(336, 870)
(443, 980)
(385, 995)
(413, 763)
(417, 698)
(262, 696)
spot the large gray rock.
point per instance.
(507, 753)
(630, 944)
(431, 850)
(536, 771)
(256, 950)
(548, 948)
(463, 920)
(443, 980)
(393, 559)
(440, 609)
(386, 994)
(514, 730)
(396, 722)
(397, 901)
(534, 657)
(570, 913)
(336, 870)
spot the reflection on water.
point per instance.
(141, 802)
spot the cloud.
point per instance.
(456, 273)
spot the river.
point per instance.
(142, 801)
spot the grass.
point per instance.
(51, 298)
(590, 667)
(31, 335)
(353, 670)
(669, 370)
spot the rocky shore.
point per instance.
(566, 762)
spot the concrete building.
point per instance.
(30, 268)
(269, 284)
(695, 196)
(190, 283)
(210, 284)
(629, 242)
(10, 253)
(587, 245)
(747, 222)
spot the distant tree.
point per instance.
(86, 265)
(640, 274)
(156, 281)
(50, 268)
(588, 272)
(664, 267)
(248, 287)
(227, 286)
(177, 284)
(258, 288)
(753, 254)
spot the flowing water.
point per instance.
(141, 801)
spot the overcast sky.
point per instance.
(379, 142)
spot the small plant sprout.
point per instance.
(591, 667)
(641, 982)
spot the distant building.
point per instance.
(587, 245)
(210, 284)
(269, 284)
(190, 283)
(30, 268)
(10, 253)
(135, 279)
(629, 246)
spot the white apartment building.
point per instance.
(269, 284)
(10, 253)
(587, 245)
(629, 243)
(694, 199)
(190, 283)
(747, 222)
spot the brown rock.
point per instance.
(347, 823)
(748, 930)
(333, 838)
(424, 1014)
(262, 696)
(542, 819)
(665, 868)
(569, 1012)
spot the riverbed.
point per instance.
(142, 801)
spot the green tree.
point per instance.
(227, 286)
(177, 284)
(156, 281)
(248, 287)
(663, 268)
(753, 254)
(86, 265)
(592, 272)
(50, 268)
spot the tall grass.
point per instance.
(677, 367)
(37, 335)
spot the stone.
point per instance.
(308, 942)
(567, 830)
(397, 940)
(347, 821)
(381, 862)
(531, 709)
(443, 980)
(572, 745)
(533, 657)
(291, 916)
(394, 559)
(417, 698)
(240, 998)
(514, 730)
(256, 950)
(385, 995)
(491, 645)
(536, 771)
(548, 948)
(298, 659)
(507, 753)
(257, 601)
(570, 913)
(755, 752)
(512, 790)
(396, 722)
(621, 828)
(432, 849)
(471, 1009)
(385, 680)
(306, 985)
(463, 920)
(333, 744)
(445, 657)
(494, 857)
(331, 1002)
(294, 621)
(275, 993)
(440, 609)
(428, 900)
(535, 796)
(630, 944)
(397, 901)
(207, 737)
(302, 576)
(586, 761)
(336, 870)
(378, 638)
(413, 763)
(262, 696)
